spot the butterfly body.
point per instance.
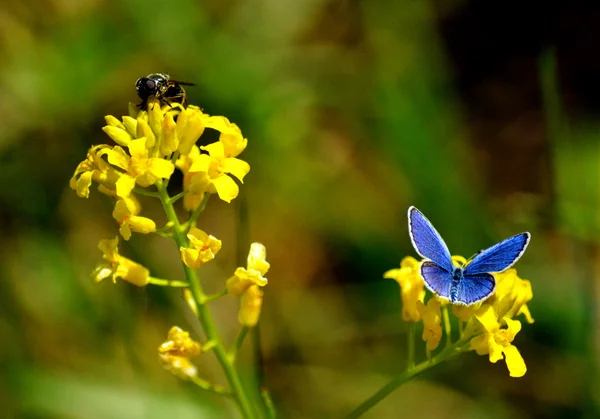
(463, 285)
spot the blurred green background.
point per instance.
(485, 115)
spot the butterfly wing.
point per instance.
(474, 288)
(427, 241)
(499, 257)
(436, 278)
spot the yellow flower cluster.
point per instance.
(488, 327)
(150, 145)
(176, 352)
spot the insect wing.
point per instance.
(183, 83)
(436, 278)
(499, 257)
(474, 288)
(427, 241)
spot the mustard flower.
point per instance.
(208, 173)
(204, 248)
(139, 168)
(94, 168)
(176, 352)
(497, 342)
(243, 278)
(250, 306)
(119, 267)
(511, 296)
(126, 213)
(432, 317)
(411, 287)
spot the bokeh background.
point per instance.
(485, 115)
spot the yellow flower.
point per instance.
(432, 317)
(126, 213)
(139, 168)
(117, 266)
(204, 248)
(208, 173)
(176, 352)
(193, 198)
(411, 287)
(94, 168)
(250, 306)
(512, 295)
(243, 278)
(497, 342)
(463, 313)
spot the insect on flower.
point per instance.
(161, 86)
(465, 285)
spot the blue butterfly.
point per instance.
(461, 285)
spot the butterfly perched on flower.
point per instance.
(463, 285)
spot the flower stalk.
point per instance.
(204, 314)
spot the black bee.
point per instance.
(161, 86)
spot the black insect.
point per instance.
(161, 86)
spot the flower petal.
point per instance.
(226, 188)
(137, 148)
(160, 168)
(142, 225)
(190, 127)
(125, 185)
(82, 185)
(118, 135)
(144, 131)
(487, 317)
(118, 157)
(514, 361)
(130, 124)
(250, 306)
(216, 150)
(170, 140)
(236, 167)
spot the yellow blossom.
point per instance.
(208, 173)
(497, 342)
(179, 343)
(176, 352)
(250, 306)
(193, 198)
(511, 296)
(117, 266)
(204, 248)
(243, 278)
(126, 213)
(139, 168)
(411, 287)
(432, 329)
(94, 168)
(463, 313)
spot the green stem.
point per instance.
(167, 282)
(211, 297)
(205, 385)
(447, 326)
(270, 406)
(144, 192)
(238, 343)
(204, 314)
(190, 222)
(177, 197)
(409, 374)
